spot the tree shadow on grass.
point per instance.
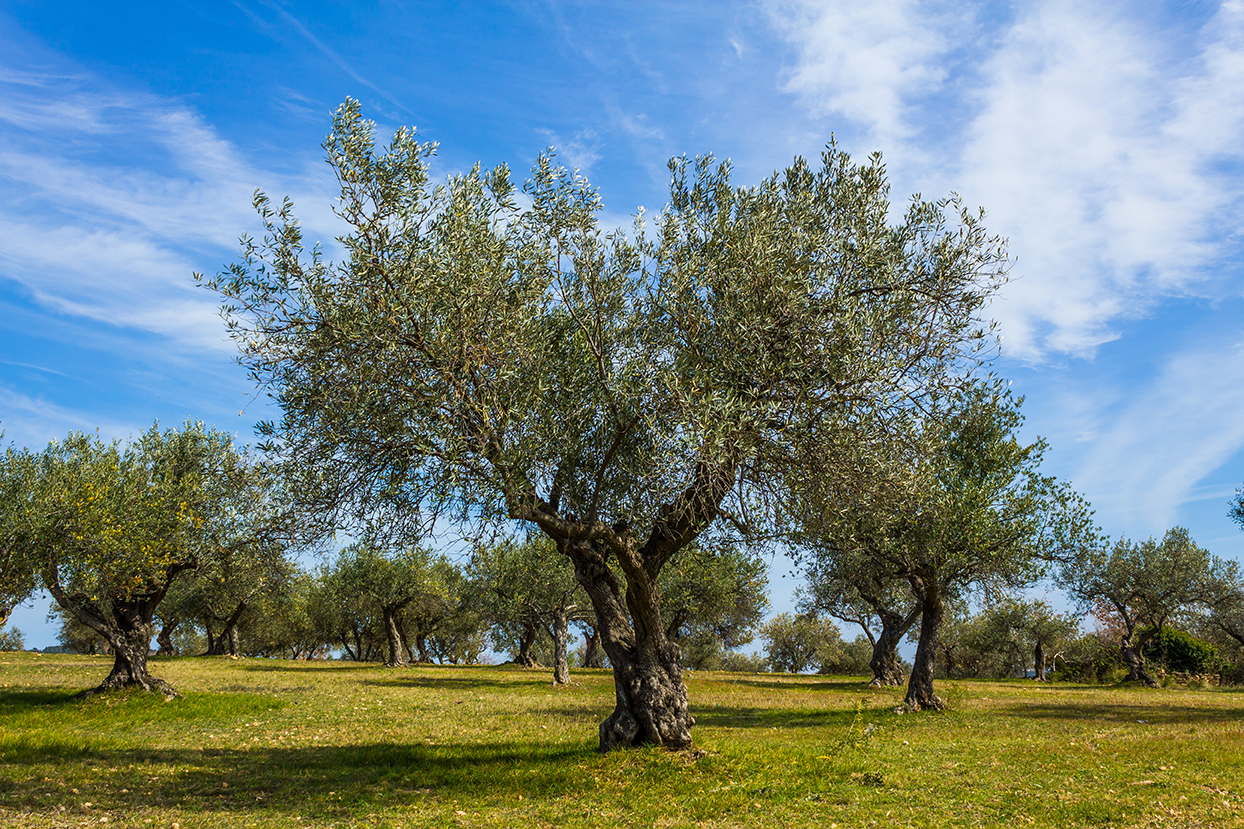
(17, 701)
(798, 683)
(319, 782)
(1158, 712)
(397, 679)
(729, 716)
(290, 666)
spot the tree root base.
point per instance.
(151, 686)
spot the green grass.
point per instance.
(269, 743)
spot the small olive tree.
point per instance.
(852, 586)
(17, 573)
(1145, 585)
(956, 506)
(713, 600)
(109, 527)
(528, 587)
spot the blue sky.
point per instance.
(1103, 139)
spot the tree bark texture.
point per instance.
(920, 694)
(651, 699)
(165, 638)
(1038, 662)
(591, 649)
(526, 643)
(1135, 662)
(887, 670)
(560, 631)
(397, 651)
(226, 642)
(126, 625)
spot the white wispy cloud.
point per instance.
(1094, 144)
(112, 200)
(1107, 147)
(1094, 151)
(1145, 460)
(864, 61)
(34, 422)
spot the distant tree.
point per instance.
(713, 600)
(442, 625)
(286, 625)
(345, 610)
(1042, 629)
(852, 658)
(17, 570)
(1227, 603)
(861, 589)
(480, 356)
(12, 639)
(956, 506)
(793, 644)
(525, 587)
(390, 579)
(1145, 585)
(110, 528)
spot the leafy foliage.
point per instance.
(1180, 651)
(794, 644)
(713, 600)
(624, 396)
(1144, 585)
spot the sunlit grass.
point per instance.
(268, 743)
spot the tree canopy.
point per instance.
(1144, 585)
(958, 505)
(479, 357)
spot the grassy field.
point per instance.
(268, 743)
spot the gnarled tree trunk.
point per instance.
(1038, 662)
(126, 625)
(226, 642)
(560, 631)
(526, 643)
(920, 694)
(591, 648)
(397, 651)
(165, 638)
(886, 668)
(1135, 661)
(651, 699)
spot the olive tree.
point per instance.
(1227, 603)
(109, 528)
(17, 574)
(528, 587)
(960, 505)
(477, 357)
(390, 580)
(1040, 628)
(795, 643)
(852, 586)
(1145, 585)
(713, 600)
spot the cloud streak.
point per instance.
(1096, 147)
(111, 201)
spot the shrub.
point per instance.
(1088, 658)
(12, 640)
(1180, 652)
